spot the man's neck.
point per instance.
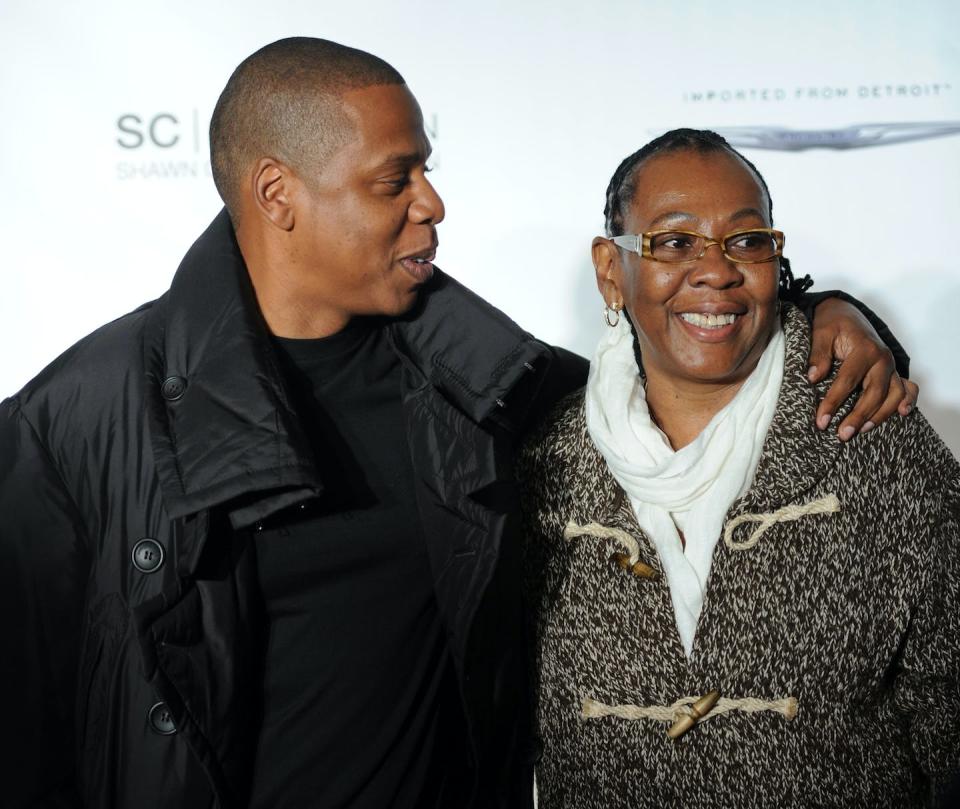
(288, 315)
(287, 310)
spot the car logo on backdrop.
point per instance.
(856, 136)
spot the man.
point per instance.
(259, 536)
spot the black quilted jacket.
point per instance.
(131, 472)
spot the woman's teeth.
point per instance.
(707, 321)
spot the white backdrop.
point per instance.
(531, 106)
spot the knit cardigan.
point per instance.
(830, 628)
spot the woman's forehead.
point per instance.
(692, 185)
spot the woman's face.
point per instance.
(714, 194)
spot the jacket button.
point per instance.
(698, 711)
(160, 720)
(173, 388)
(147, 555)
(638, 568)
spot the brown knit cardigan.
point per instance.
(834, 640)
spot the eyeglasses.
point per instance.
(753, 246)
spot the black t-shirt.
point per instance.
(360, 703)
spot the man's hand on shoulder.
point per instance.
(842, 332)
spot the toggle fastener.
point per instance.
(639, 569)
(698, 711)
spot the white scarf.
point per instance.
(693, 487)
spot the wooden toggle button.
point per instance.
(698, 710)
(638, 569)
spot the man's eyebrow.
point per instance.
(407, 158)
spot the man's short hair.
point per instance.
(284, 101)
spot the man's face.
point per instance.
(365, 229)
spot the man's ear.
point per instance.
(273, 192)
(607, 266)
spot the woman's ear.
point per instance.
(606, 263)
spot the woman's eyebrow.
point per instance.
(745, 213)
(671, 216)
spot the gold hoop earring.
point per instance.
(615, 308)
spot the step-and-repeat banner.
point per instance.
(851, 111)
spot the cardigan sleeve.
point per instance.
(927, 686)
(43, 572)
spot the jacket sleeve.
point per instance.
(927, 686)
(795, 291)
(43, 573)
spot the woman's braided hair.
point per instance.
(622, 188)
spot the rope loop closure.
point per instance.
(828, 504)
(627, 559)
(689, 711)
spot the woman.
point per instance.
(730, 607)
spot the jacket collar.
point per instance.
(233, 431)
(479, 359)
(233, 435)
(796, 455)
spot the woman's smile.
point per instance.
(712, 323)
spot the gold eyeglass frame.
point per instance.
(640, 244)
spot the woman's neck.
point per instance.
(682, 408)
